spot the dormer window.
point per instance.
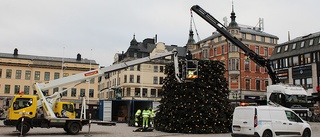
(294, 45)
(302, 44)
(311, 42)
(279, 49)
(286, 48)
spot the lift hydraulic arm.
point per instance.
(248, 52)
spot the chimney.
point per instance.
(15, 52)
(78, 57)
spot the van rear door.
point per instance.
(243, 120)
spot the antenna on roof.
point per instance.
(261, 24)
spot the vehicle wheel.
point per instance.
(306, 133)
(25, 127)
(267, 133)
(74, 128)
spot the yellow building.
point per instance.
(18, 72)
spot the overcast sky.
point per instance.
(97, 29)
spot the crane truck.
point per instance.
(23, 112)
(290, 96)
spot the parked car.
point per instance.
(268, 121)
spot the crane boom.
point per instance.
(47, 104)
(248, 52)
(100, 72)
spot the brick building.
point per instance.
(247, 80)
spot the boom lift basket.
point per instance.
(191, 72)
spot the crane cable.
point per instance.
(194, 24)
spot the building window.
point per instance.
(92, 80)
(0, 73)
(253, 37)
(286, 48)
(91, 93)
(131, 68)
(266, 53)
(26, 90)
(307, 58)
(309, 83)
(73, 92)
(214, 52)
(301, 59)
(138, 67)
(65, 93)
(18, 74)
(289, 62)
(8, 73)
(16, 89)
(205, 53)
(128, 92)
(258, 85)
(233, 64)
(144, 92)
(257, 68)
(37, 75)
(45, 92)
(46, 76)
(137, 92)
(295, 61)
(271, 40)
(138, 78)
(56, 75)
(232, 47)
(125, 79)
(155, 80)
(7, 89)
(161, 80)
(263, 39)
(219, 38)
(55, 90)
(244, 36)
(155, 68)
(279, 50)
(285, 62)
(302, 44)
(257, 50)
(153, 93)
(247, 65)
(311, 42)
(294, 45)
(82, 92)
(160, 92)
(131, 78)
(247, 84)
(222, 49)
(266, 83)
(161, 68)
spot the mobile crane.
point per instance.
(22, 112)
(277, 93)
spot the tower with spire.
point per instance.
(233, 23)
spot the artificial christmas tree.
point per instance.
(198, 106)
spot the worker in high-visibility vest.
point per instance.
(152, 115)
(137, 116)
(145, 116)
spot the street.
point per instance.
(120, 130)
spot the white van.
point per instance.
(268, 121)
